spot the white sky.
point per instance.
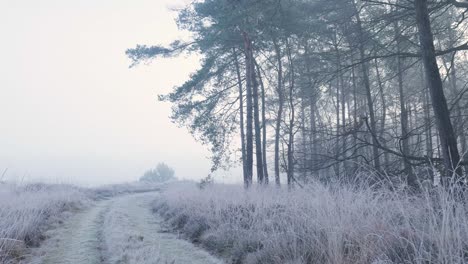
(70, 108)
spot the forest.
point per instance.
(342, 90)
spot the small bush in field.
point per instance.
(320, 224)
(162, 173)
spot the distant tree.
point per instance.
(162, 173)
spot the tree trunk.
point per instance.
(304, 139)
(280, 112)
(264, 127)
(460, 126)
(370, 102)
(291, 120)
(241, 114)
(339, 83)
(428, 126)
(249, 132)
(258, 135)
(411, 177)
(355, 114)
(343, 122)
(447, 136)
(312, 104)
(338, 126)
(384, 112)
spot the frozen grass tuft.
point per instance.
(27, 210)
(320, 224)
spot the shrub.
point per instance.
(162, 173)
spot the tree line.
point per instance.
(326, 89)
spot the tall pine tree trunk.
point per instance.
(428, 125)
(312, 105)
(249, 130)
(447, 136)
(370, 102)
(304, 138)
(339, 83)
(355, 115)
(258, 135)
(280, 112)
(460, 126)
(292, 116)
(264, 127)
(411, 177)
(241, 114)
(384, 111)
(343, 127)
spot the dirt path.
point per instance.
(120, 230)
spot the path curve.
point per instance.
(122, 230)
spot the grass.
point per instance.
(108, 191)
(132, 234)
(320, 224)
(121, 242)
(27, 210)
(317, 224)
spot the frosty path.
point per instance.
(120, 230)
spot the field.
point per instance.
(315, 224)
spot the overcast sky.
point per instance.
(70, 108)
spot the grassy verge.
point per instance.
(320, 224)
(26, 211)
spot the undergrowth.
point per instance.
(26, 211)
(320, 224)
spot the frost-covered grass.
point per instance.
(27, 210)
(124, 237)
(132, 234)
(320, 224)
(107, 191)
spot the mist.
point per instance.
(72, 111)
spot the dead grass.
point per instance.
(320, 224)
(27, 210)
